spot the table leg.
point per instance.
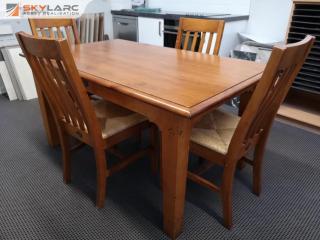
(175, 152)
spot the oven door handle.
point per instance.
(123, 23)
(170, 32)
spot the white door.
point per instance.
(151, 31)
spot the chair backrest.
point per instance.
(279, 74)
(55, 71)
(55, 28)
(201, 31)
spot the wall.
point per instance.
(269, 19)
(230, 36)
(120, 4)
(115, 5)
(211, 6)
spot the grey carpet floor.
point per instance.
(35, 204)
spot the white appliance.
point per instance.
(5, 81)
(6, 39)
(16, 75)
(20, 72)
(2, 87)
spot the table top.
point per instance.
(181, 81)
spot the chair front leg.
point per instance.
(101, 168)
(226, 193)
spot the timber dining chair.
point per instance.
(224, 139)
(55, 28)
(200, 31)
(99, 124)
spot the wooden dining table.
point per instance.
(174, 89)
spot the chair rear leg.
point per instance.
(226, 194)
(64, 142)
(101, 166)
(257, 164)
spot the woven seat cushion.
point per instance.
(114, 119)
(215, 131)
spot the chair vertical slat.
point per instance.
(69, 37)
(219, 38)
(50, 88)
(60, 84)
(46, 86)
(179, 39)
(77, 111)
(59, 32)
(51, 33)
(186, 41)
(70, 115)
(55, 85)
(43, 33)
(75, 32)
(194, 42)
(209, 43)
(69, 98)
(203, 38)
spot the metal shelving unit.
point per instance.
(306, 20)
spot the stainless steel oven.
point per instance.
(125, 27)
(170, 32)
